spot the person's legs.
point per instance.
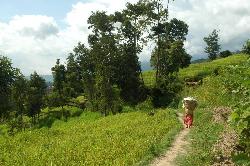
(189, 120)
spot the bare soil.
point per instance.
(178, 147)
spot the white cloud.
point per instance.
(231, 18)
(34, 42)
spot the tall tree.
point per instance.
(73, 77)
(169, 54)
(20, 95)
(86, 63)
(7, 77)
(58, 72)
(166, 33)
(134, 21)
(213, 47)
(36, 93)
(103, 50)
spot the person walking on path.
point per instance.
(189, 105)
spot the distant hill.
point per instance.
(145, 66)
(199, 61)
(48, 78)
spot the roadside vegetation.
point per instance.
(227, 88)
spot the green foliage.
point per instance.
(166, 91)
(229, 88)
(225, 53)
(133, 24)
(104, 51)
(212, 47)
(169, 54)
(7, 77)
(20, 90)
(246, 47)
(36, 93)
(146, 106)
(58, 72)
(201, 70)
(202, 137)
(80, 102)
(50, 115)
(53, 100)
(60, 88)
(74, 85)
(236, 84)
(123, 139)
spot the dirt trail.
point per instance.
(178, 147)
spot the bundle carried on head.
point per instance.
(189, 103)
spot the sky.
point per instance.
(33, 34)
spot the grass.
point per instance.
(215, 91)
(201, 70)
(124, 139)
(202, 137)
(198, 71)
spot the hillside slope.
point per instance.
(224, 95)
(199, 70)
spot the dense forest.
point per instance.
(105, 75)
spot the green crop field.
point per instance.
(123, 139)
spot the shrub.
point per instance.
(146, 106)
(80, 102)
(166, 91)
(225, 54)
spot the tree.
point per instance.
(73, 77)
(246, 47)
(86, 63)
(7, 77)
(169, 54)
(212, 48)
(104, 51)
(166, 33)
(20, 95)
(36, 93)
(134, 22)
(58, 72)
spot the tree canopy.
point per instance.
(213, 47)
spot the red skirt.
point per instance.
(188, 120)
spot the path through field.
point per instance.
(178, 147)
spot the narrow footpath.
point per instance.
(178, 147)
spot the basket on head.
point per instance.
(190, 103)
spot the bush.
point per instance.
(225, 54)
(146, 106)
(54, 100)
(166, 91)
(80, 102)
